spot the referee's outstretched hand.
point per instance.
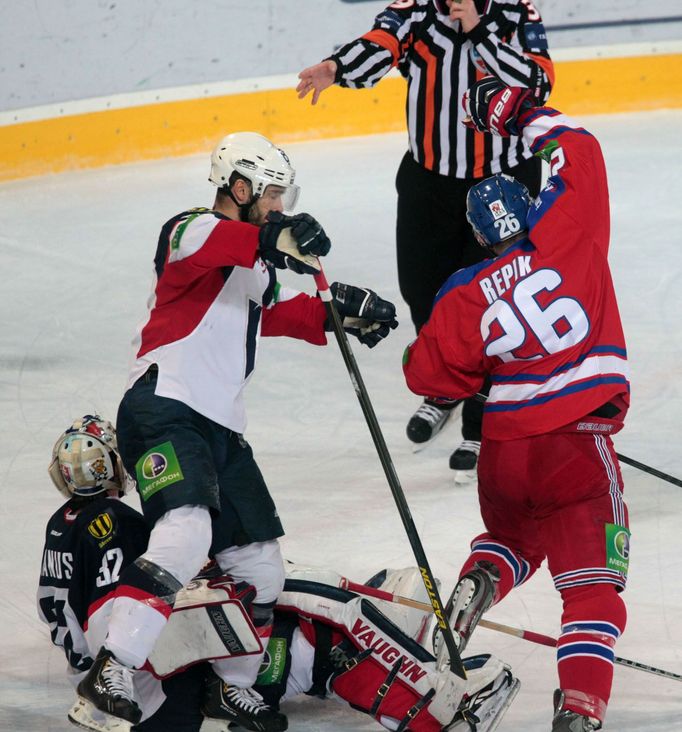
(316, 79)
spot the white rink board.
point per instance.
(76, 254)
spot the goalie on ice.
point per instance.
(326, 641)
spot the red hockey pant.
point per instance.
(559, 496)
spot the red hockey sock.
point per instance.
(594, 617)
(513, 568)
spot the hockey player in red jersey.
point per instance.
(541, 320)
(181, 420)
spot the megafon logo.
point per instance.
(154, 465)
(622, 544)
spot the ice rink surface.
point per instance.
(76, 256)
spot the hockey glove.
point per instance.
(363, 313)
(491, 106)
(293, 242)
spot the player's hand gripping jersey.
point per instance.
(542, 318)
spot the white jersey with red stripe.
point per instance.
(213, 297)
(542, 318)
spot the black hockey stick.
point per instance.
(646, 469)
(403, 509)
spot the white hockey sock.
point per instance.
(133, 630)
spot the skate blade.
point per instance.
(86, 716)
(213, 725)
(466, 477)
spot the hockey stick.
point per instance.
(403, 509)
(646, 469)
(529, 635)
(546, 640)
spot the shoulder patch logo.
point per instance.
(101, 526)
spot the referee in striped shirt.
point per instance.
(441, 47)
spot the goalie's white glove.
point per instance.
(363, 313)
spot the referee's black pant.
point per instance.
(434, 239)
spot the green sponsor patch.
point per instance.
(156, 469)
(274, 662)
(546, 152)
(617, 548)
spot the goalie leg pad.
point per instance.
(209, 621)
(491, 689)
(406, 582)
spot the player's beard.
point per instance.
(256, 213)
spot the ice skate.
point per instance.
(105, 697)
(566, 720)
(427, 422)
(473, 595)
(241, 708)
(464, 461)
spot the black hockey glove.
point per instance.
(363, 313)
(492, 106)
(293, 242)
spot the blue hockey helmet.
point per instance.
(497, 209)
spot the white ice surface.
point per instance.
(76, 256)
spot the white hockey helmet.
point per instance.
(85, 459)
(255, 158)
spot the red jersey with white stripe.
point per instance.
(542, 318)
(213, 297)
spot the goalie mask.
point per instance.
(254, 158)
(497, 209)
(85, 459)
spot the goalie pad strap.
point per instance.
(322, 666)
(414, 710)
(383, 689)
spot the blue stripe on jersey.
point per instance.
(582, 649)
(545, 200)
(539, 112)
(571, 389)
(554, 133)
(466, 275)
(583, 626)
(462, 277)
(601, 350)
(520, 572)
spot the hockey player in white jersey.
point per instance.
(180, 422)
